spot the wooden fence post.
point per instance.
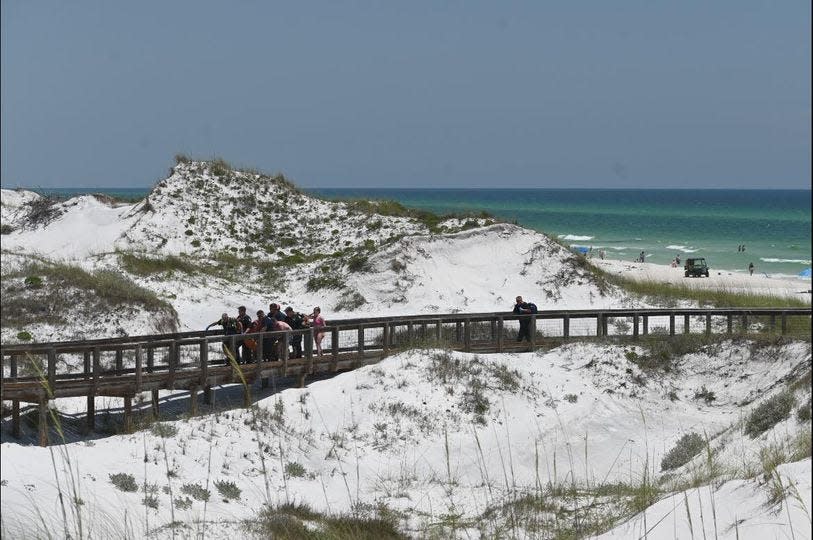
(138, 374)
(86, 365)
(458, 332)
(15, 403)
(119, 361)
(128, 413)
(385, 338)
(686, 324)
(466, 336)
(532, 331)
(499, 336)
(729, 323)
(646, 324)
(438, 332)
(635, 329)
(51, 372)
(309, 350)
(599, 324)
(744, 323)
(566, 327)
(91, 405)
(708, 324)
(43, 420)
(672, 324)
(784, 323)
(334, 348)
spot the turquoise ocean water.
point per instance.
(774, 225)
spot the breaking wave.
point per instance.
(575, 237)
(684, 249)
(772, 260)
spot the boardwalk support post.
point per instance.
(15, 403)
(672, 324)
(635, 329)
(43, 420)
(566, 327)
(686, 324)
(708, 324)
(532, 331)
(499, 336)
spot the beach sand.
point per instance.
(718, 279)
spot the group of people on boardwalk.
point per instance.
(275, 320)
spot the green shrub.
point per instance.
(571, 398)
(803, 414)
(164, 431)
(227, 489)
(769, 413)
(705, 394)
(6, 229)
(24, 336)
(294, 469)
(196, 491)
(124, 482)
(181, 158)
(686, 448)
(33, 282)
(146, 266)
(358, 263)
(318, 283)
(184, 503)
(220, 167)
(350, 302)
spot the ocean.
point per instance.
(773, 225)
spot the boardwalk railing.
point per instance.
(196, 361)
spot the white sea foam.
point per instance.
(772, 260)
(575, 237)
(684, 249)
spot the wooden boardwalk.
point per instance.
(195, 361)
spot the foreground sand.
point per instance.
(718, 279)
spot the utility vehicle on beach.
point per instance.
(696, 268)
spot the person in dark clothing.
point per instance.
(243, 351)
(524, 308)
(264, 324)
(296, 321)
(275, 313)
(231, 327)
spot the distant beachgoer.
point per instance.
(641, 257)
(743, 247)
(524, 308)
(318, 324)
(674, 263)
(677, 260)
(601, 254)
(739, 248)
(751, 268)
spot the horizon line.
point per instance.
(34, 188)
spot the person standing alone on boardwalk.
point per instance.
(524, 308)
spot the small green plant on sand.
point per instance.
(124, 482)
(686, 448)
(769, 413)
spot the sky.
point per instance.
(592, 94)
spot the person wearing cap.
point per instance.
(296, 321)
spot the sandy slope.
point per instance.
(397, 433)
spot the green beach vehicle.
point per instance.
(696, 268)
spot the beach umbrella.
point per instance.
(581, 249)
(805, 273)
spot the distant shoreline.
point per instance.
(773, 224)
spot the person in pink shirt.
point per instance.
(318, 324)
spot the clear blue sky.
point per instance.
(410, 94)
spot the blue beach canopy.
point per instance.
(581, 249)
(805, 273)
